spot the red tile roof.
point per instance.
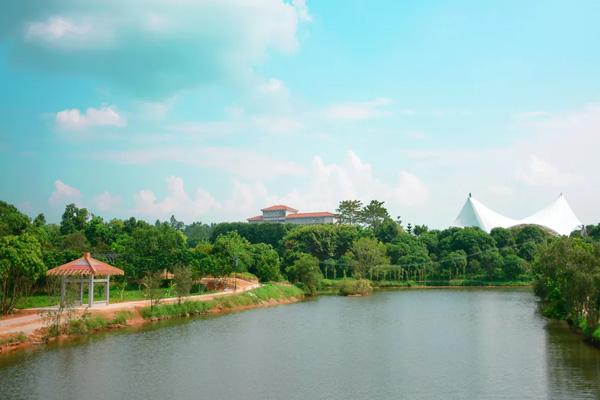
(279, 207)
(85, 265)
(310, 215)
(257, 218)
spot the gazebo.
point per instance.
(82, 270)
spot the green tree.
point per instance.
(306, 272)
(20, 266)
(503, 237)
(492, 262)
(387, 230)
(349, 212)
(73, 219)
(373, 213)
(151, 283)
(233, 253)
(453, 263)
(12, 221)
(513, 266)
(265, 263)
(197, 232)
(182, 278)
(366, 254)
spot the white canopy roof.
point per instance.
(558, 217)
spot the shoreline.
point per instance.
(221, 305)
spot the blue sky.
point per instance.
(211, 110)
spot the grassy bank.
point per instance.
(338, 286)
(262, 295)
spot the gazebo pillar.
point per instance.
(81, 292)
(91, 291)
(63, 290)
(107, 289)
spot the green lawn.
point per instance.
(116, 296)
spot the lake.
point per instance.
(413, 344)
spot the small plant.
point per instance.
(183, 282)
(152, 290)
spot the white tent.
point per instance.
(557, 217)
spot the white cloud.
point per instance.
(74, 120)
(238, 162)
(63, 32)
(64, 194)
(173, 45)
(302, 10)
(106, 201)
(177, 202)
(359, 111)
(274, 86)
(538, 172)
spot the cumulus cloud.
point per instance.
(74, 120)
(538, 172)
(327, 185)
(359, 111)
(171, 45)
(238, 162)
(106, 201)
(177, 202)
(64, 194)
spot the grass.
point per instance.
(253, 297)
(87, 323)
(116, 296)
(14, 339)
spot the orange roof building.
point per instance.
(85, 270)
(285, 214)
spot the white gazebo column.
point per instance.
(81, 291)
(91, 291)
(63, 290)
(107, 289)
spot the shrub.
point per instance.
(361, 287)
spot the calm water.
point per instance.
(429, 344)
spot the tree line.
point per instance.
(365, 243)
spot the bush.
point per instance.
(351, 287)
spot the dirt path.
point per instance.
(32, 321)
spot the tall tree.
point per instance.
(366, 254)
(305, 270)
(73, 219)
(12, 221)
(349, 212)
(20, 266)
(373, 213)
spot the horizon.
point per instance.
(159, 110)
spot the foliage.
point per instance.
(232, 253)
(353, 287)
(73, 219)
(20, 266)
(373, 214)
(265, 263)
(305, 271)
(152, 287)
(182, 278)
(12, 221)
(349, 212)
(366, 254)
(387, 231)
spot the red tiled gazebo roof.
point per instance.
(85, 266)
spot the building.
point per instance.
(557, 217)
(284, 214)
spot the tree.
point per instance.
(349, 212)
(152, 282)
(387, 230)
(39, 221)
(503, 237)
(12, 221)
(182, 278)
(73, 219)
(305, 271)
(20, 266)
(366, 254)
(197, 232)
(178, 225)
(492, 262)
(455, 262)
(232, 252)
(265, 264)
(373, 213)
(513, 266)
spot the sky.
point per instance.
(213, 109)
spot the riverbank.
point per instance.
(97, 320)
(331, 286)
